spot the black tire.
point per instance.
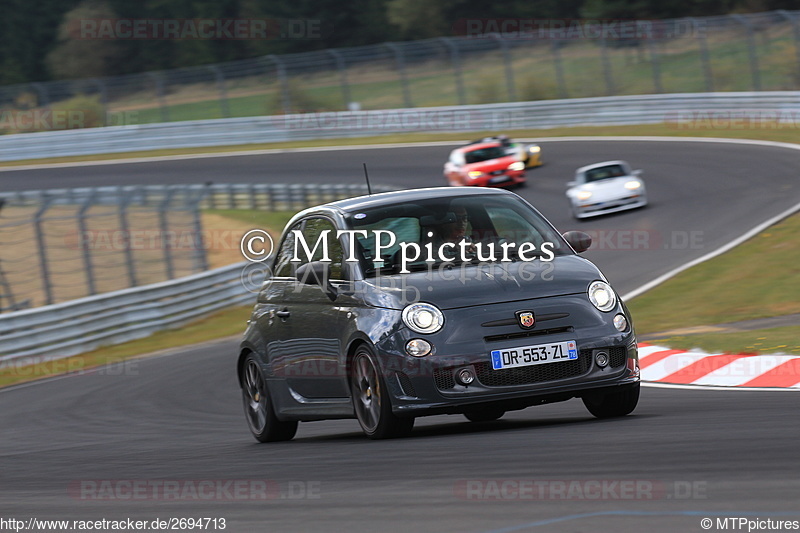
(613, 404)
(258, 409)
(484, 415)
(371, 399)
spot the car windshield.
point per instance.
(487, 225)
(484, 154)
(604, 173)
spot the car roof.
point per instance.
(479, 146)
(603, 164)
(411, 195)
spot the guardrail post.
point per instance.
(42, 248)
(654, 60)
(455, 60)
(341, 66)
(101, 89)
(219, 78)
(555, 50)
(283, 80)
(512, 93)
(796, 30)
(704, 56)
(166, 241)
(200, 260)
(606, 68)
(160, 95)
(401, 71)
(751, 51)
(41, 90)
(122, 204)
(83, 240)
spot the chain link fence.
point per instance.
(493, 61)
(59, 245)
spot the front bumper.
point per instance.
(585, 210)
(506, 179)
(429, 385)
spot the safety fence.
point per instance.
(486, 61)
(59, 245)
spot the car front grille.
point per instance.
(526, 334)
(527, 375)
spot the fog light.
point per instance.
(620, 322)
(465, 376)
(602, 359)
(418, 347)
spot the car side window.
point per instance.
(283, 264)
(312, 230)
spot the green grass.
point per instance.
(433, 83)
(757, 279)
(270, 220)
(763, 341)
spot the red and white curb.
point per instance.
(662, 365)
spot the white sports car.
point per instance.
(605, 187)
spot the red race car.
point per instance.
(484, 164)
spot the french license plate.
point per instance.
(499, 179)
(534, 355)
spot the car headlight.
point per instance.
(475, 174)
(534, 149)
(423, 318)
(602, 295)
(519, 165)
(584, 195)
(633, 184)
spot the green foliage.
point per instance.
(36, 43)
(76, 57)
(87, 110)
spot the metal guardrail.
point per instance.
(69, 328)
(603, 111)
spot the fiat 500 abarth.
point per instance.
(434, 301)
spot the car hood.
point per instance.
(501, 163)
(608, 188)
(489, 283)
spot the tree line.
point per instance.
(68, 39)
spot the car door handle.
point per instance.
(283, 314)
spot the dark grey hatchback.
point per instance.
(431, 301)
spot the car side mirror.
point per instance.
(637, 173)
(317, 273)
(572, 183)
(579, 240)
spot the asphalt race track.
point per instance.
(165, 437)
